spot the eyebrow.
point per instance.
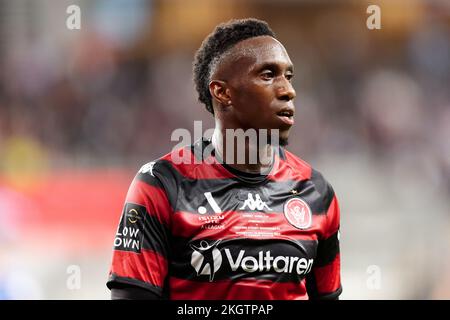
(273, 65)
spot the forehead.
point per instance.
(259, 50)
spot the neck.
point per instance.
(244, 154)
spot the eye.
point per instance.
(267, 75)
(289, 76)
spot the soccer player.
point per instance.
(212, 227)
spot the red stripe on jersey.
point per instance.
(250, 289)
(153, 198)
(333, 217)
(233, 225)
(328, 277)
(147, 266)
(191, 168)
(292, 168)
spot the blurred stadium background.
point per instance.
(82, 110)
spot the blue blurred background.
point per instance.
(82, 110)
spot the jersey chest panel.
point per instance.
(228, 230)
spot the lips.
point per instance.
(286, 115)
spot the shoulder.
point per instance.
(296, 163)
(320, 183)
(163, 170)
(189, 162)
(162, 173)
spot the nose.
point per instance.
(286, 91)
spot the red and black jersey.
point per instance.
(203, 230)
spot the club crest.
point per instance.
(298, 213)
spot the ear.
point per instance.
(220, 92)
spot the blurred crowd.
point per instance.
(100, 98)
(107, 96)
(111, 93)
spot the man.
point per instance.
(214, 227)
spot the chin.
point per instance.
(284, 138)
(284, 141)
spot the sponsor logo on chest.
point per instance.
(207, 259)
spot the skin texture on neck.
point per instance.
(264, 154)
(250, 86)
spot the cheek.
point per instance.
(256, 99)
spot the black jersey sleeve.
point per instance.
(129, 292)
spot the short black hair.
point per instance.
(224, 36)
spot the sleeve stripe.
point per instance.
(159, 207)
(114, 278)
(324, 188)
(327, 250)
(156, 235)
(147, 266)
(326, 280)
(148, 179)
(333, 217)
(160, 180)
